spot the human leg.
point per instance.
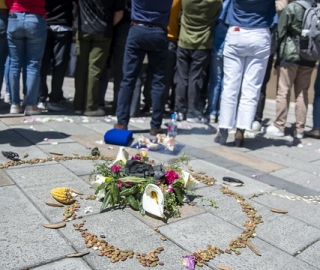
(197, 75)
(171, 69)
(61, 55)
(83, 44)
(301, 86)
(182, 81)
(133, 58)
(97, 59)
(3, 44)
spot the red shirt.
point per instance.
(31, 6)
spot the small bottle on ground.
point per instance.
(173, 126)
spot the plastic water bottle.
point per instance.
(173, 126)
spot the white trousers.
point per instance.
(246, 54)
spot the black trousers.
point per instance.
(190, 78)
(57, 56)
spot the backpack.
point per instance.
(309, 48)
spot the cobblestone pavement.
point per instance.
(282, 173)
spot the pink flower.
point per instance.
(115, 168)
(188, 262)
(119, 184)
(171, 176)
(170, 189)
(136, 157)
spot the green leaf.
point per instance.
(133, 179)
(128, 191)
(106, 201)
(104, 185)
(178, 192)
(133, 202)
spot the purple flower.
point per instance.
(188, 262)
(136, 157)
(115, 168)
(171, 176)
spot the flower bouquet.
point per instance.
(157, 190)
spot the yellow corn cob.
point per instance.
(62, 195)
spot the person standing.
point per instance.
(3, 40)
(292, 70)
(246, 54)
(95, 26)
(57, 52)
(26, 36)
(193, 55)
(147, 35)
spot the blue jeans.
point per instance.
(144, 40)
(3, 44)
(26, 39)
(216, 83)
(316, 102)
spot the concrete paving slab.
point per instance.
(308, 180)
(5, 179)
(25, 242)
(301, 210)
(288, 234)
(250, 186)
(100, 127)
(125, 232)
(18, 120)
(286, 161)
(38, 184)
(37, 134)
(186, 211)
(70, 264)
(311, 254)
(69, 128)
(245, 159)
(272, 258)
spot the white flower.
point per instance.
(122, 155)
(189, 182)
(95, 184)
(153, 201)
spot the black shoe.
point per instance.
(155, 131)
(239, 138)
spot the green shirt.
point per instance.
(197, 21)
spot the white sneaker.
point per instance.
(7, 98)
(31, 111)
(298, 135)
(256, 126)
(274, 131)
(42, 106)
(98, 112)
(15, 109)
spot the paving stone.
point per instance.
(311, 254)
(24, 240)
(286, 161)
(288, 233)
(19, 120)
(69, 127)
(301, 210)
(308, 180)
(98, 125)
(250, 186)
(70, 264)
(4, 179)
(38, 184)
(186, 211)
(245, 159)
(37, 134)
(125, 232)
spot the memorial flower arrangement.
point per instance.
(157, 190)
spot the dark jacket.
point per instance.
(289, 32)
(59, 12)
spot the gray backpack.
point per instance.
(310, 36)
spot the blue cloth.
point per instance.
(316, 102)
(250, 13)
(151, 11)
(118, 137)
(144, 40)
